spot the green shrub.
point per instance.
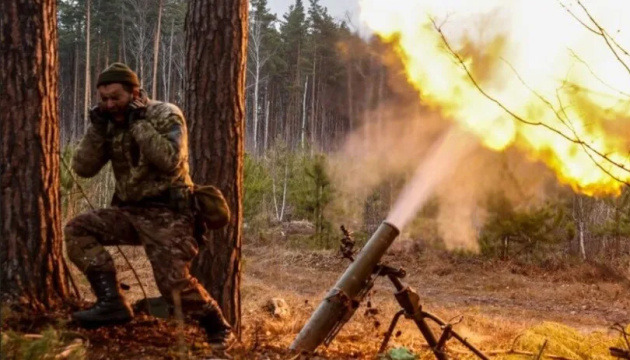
(522, 233)
(256, 187)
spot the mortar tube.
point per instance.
(333, 307)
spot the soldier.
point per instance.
(146, 143)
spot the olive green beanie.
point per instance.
(118, 73)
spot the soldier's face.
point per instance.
(115, 100)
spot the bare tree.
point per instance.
(140, 33)
(259, 59)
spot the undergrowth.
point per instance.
(50, 344)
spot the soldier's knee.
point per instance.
(74, 249)
(76, 241)
(74, 228)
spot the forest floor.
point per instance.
(504, 307)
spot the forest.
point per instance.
(312, 83)
(333, 129)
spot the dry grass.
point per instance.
(499, 305)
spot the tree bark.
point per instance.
(30, 237)
(216, 43)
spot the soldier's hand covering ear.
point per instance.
(137, 110)
(98, 119)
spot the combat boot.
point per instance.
(111, 306)
(218, 330)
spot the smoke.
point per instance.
(440, 161)
(437, 161)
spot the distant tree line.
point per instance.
(310, 79)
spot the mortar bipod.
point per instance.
(412, 309)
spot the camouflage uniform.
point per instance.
(150, 163)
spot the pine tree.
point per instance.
(293, 32)
(264, 42)
(216, 70)
(32, 272)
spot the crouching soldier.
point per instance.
(146, 143)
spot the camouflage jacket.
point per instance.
(149, 158)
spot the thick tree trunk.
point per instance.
(216, 42)
(30, 236)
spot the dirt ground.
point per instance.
(497, 301)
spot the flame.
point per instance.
(533, 57)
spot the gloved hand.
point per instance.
(98, 119)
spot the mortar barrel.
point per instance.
(349, 285)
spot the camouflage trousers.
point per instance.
(167, 237)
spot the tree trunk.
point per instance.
(582, 248)
(313, 95)
(350, 95)
(74, 124)
(106, 54)
(284, 189)
(122, 34)
(369, 89)
(86, 103)
(31, 241)
(255, 102)
(156, 50)
(170, 64)
(95, 71)
(303, 127)
(216, 43)
(266, 126)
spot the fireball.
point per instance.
(551, 78)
